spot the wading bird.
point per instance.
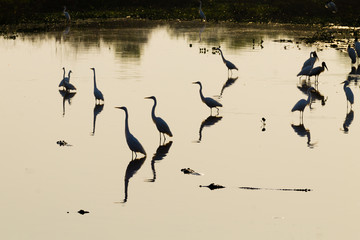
(67, 15)
(331, 6)
(97, 93)
(161, 125)
(228, 64)
(68, 86)
(357, 46)
(211, 103)
(61, 84)
(311, 61)
(302, 103)
(352, 54)
(349, 94)
(134, 145)
(202, 14)
(316, 71)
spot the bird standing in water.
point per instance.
(211, 103)
(228, 64)
(348, 93)
(161, 125)
(302, 103)
(97, 93)
(134, 144)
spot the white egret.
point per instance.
(97, 93)
(67, 15)
(211, 103)
(61, 84)
(316, 71)
(228, 64)
(352, 54)
(68, 86)
(302, 103)
(161, 125)
(357, 47)
(202, 14)
(331, 6)
(349, 94)
(134, 145)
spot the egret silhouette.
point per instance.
(352, 54)
(311, 61)
(317, 70)
(211, 103)
(357, 46)
(68, 86)
(305, 71)
(302, 103)
(97, 93)
(331, 6)
(161, 125)
(67, 15)
(349, 94)
(61, 84)
(202, 14)
(228, 64)
(134, 145)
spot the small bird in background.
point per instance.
(202, 14)
(67, 15)
(331, 6)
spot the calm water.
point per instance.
(44, 185)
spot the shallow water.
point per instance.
(44, 184)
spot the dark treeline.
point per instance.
(289, 11)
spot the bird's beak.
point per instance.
(343, 82)
(146, 97)
(326, 67)
(118, 107)
(193, 82)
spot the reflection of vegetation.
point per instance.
(290, 11)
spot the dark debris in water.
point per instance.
(62, 143)
(213, 186)
(190, 171)
(278, 189)
(82, 212)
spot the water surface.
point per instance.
(44, 184)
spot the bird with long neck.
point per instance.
(134, 144)
(230, 66)
(202, 14)
(68, 86)
(302, 103)
(67, 15)
(61, 84)
(317, 70)
(161, 125)
(97, 93)
(211, 103)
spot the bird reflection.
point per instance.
(353, 75)
(315, 93)
(132, 168)
(66, 96)
(209, 121)
(230, 81)
(160, 154)
(97, 109)
(66, 30)
(302, 132)
(348, 120)
(201, 31)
